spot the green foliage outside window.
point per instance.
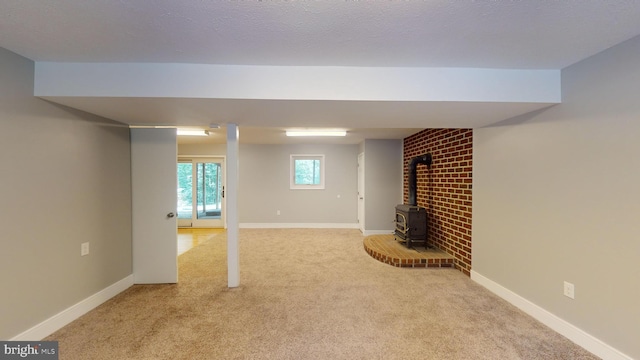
(307, 172)
(185, 177)
(211, 182)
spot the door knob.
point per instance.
(170, 215)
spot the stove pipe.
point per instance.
(413, 175)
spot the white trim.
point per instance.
(185, 157)
(570, 331)
(70, 314)
(299, 226)
(377, 232)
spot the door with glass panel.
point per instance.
(201, 192)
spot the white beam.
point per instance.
(207, 81)
(233, 244)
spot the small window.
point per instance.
(307, 172)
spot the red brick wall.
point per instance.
(445, 190)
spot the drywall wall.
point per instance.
(383, 183)
(556, 199)
(264, 185)
(202, 149)
(65, 181)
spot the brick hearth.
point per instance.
(386, 249)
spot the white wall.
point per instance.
(557, 198)
(65, 180)
(264, 186)
(267, 167)
(383, 183)
(202, 149)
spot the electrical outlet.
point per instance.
(277, 212)
(84, 249)
(569, 290)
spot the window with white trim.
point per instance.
(307, 172)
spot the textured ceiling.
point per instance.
(435, 33)
(509, 34)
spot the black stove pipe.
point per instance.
(413, 175)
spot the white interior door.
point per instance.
(154, 184)
(361, 191)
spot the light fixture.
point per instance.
(316, 133)
(192, 132)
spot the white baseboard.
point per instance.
(570, 331)
(377, 232)
(298, 226)
(68, 315)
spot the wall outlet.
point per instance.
(569, 290)
(84, 249)
(277, 212)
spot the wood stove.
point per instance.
(411, 219)
(411, 225)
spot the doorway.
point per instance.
(201, 183)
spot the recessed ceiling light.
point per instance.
(316, 133)
(191, 132)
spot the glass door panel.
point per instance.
(209, 190)
(201, 192)
(185, 193)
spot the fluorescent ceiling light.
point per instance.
(186, 132)
(316, 133)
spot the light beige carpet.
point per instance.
(309, 294)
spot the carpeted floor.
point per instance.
(308, 294)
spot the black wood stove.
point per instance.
(411, 219)
(411, 225)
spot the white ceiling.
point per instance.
(509, 34)
(436, 33)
